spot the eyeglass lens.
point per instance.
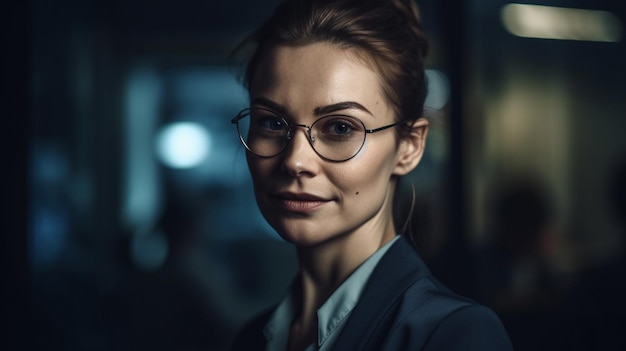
(336, 138)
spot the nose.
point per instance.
(299, 158)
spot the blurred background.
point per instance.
(128, 216)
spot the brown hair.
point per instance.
(388, 32)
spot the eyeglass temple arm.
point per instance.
(385, 127)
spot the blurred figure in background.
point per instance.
(159, 304)
(515, 277)
(190, 300)
(594, 317)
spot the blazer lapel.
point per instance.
(396, 271)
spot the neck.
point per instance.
(321, 272)
(324, 267)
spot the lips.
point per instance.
(299, 202)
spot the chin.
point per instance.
(306, 237)
(301, 238)
(300, 242)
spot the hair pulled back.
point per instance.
(387, 32)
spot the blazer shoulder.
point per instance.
(471, 327)
(431, 317)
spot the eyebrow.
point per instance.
(345, 105)
(323, 110)
(269, 104)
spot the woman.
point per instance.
(337, 91)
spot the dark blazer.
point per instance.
(403, 307)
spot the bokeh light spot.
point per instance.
(183, 144)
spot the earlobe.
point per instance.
(411, 147)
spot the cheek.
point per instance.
(259, 170)
(367, 175)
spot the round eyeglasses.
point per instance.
(335, 138)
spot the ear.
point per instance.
(411, 147)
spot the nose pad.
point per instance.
(309, 133)
(291, 136)
(299, 156)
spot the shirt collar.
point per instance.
(332, 314)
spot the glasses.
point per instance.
(335, 138)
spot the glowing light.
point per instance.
(183, 144)
(547, 22)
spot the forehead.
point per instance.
(317, 74)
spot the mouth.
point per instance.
(299, 202)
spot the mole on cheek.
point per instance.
(357, 193)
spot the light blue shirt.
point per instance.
(331, 316)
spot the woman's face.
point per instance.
(306, 199)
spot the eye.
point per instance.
(265, 120)
(339, 127)
(272, 123)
